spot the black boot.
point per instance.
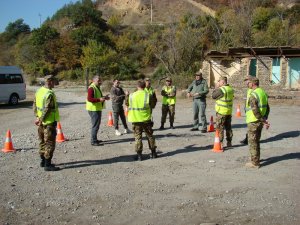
(171, 126)
(49, 166)
(245, 141)
(162, 126)
(42, 163)
(139, 156)
(153, 154)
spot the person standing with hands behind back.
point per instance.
(47, 115)
(257, 111)
(94, 104)
(198, 90)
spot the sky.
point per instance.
(31, 11)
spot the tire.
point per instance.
(14, 99)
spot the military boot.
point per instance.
(153, 154)
(42, 163)
(162, 126)
(245, 141)
(139, 156)
(49, 166)
(171, 126)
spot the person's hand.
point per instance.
(267, 124)
(37, 122)
(188, 94)
(106, 97)
(127, 93)
(195, 95)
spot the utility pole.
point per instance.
(40, 19)
(151, 19)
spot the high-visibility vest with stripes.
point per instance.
(139, 109)
(95, 106)
(262, 99)
(224, 105)
(168, 100)
(40, 99)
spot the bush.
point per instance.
(72, 75)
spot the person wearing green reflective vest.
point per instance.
(245, 140)
(95, 102)
(168, 103)
(152, 93)
(224, 95)
(257, 111)
(47, 115)
(139, 114)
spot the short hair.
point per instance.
(96, 77)
(141, 84)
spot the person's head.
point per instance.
(222, 81)
(147, 82)
(198, 75)
(252, 82)
(50, 81)
(97, 80)
(141, 84)
(116, 83)
(168, 81)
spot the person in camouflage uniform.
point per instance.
(198, 89)
(151, 91)
(47, 115)
(257, 110)
(168, 103)
(139, 104)
(224, 95)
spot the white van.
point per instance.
(12, 85)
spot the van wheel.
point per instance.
(14, 99)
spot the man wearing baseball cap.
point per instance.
(257, 111)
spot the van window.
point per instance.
(11, 79)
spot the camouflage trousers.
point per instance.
(165, 110)
(224, 122)
(47, 136)
(254, 134)
(138, 129)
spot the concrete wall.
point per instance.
(239, 69)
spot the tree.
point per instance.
(13, 30)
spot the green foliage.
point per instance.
(72, 75)
(13, 30)
(261, 18)
(41, 36)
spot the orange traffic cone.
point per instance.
(211, 127)
(8, 145)
(126, 111)
(238, 111)
(217, 145)
(60, 136)
(110, 121)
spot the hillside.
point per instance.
(138, 12)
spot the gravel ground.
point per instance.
(187, 184)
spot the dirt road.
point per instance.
(187, 184)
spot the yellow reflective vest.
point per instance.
(95, 106)
(224, 105)
(169, 100)
(150, 90)
(262, 99)
(139, 108)
(40, 99)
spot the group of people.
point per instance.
(140, 105)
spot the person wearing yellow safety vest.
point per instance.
(168, 103)
(94, 104)
(139, 114)
(47, 115)
(224, 95)
(151, 92)
(257, 111)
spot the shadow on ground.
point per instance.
(275, 159)
(289, 134)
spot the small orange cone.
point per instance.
(60, 136)
(217, 145)
(8, 145)
(211, 127)
(126, 111)
(238, 111)
(110, 121)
